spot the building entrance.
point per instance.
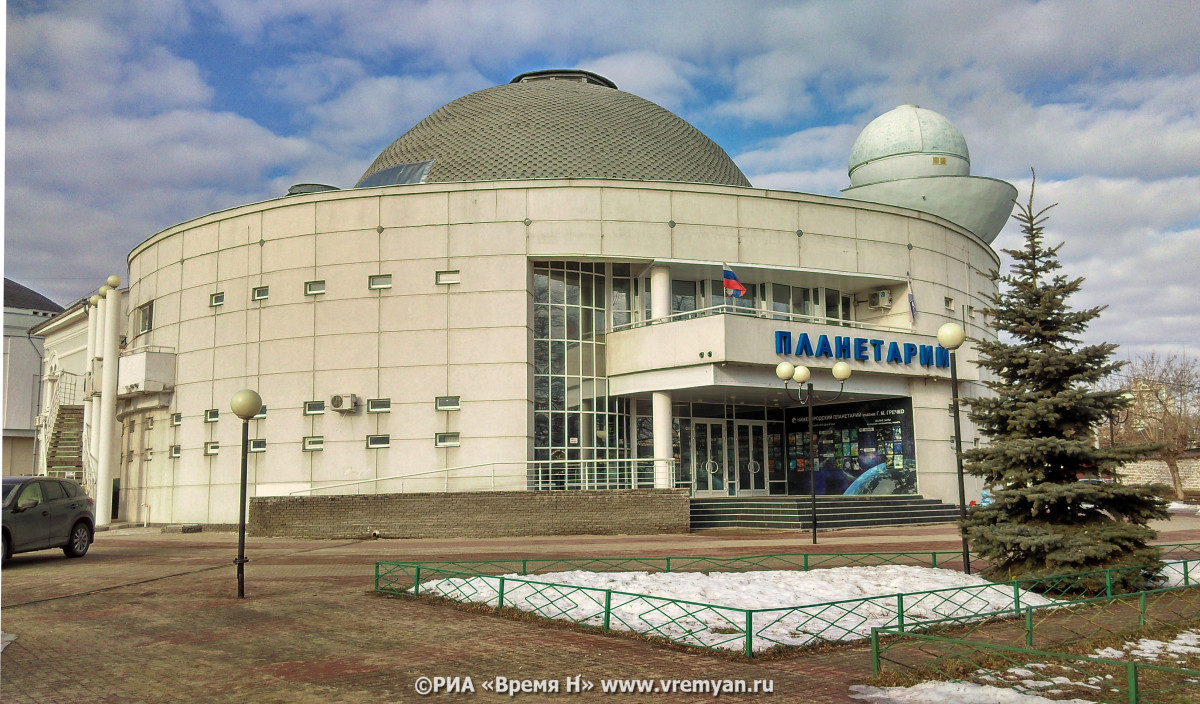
(726, 465)
(750, 457)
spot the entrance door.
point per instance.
(708, 456)
(750, 457)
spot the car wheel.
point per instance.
(81, 539)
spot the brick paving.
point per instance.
(152, 617)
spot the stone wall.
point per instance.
(472, 515)
(1156, 472)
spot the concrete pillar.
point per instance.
(660, 291)
(109, 439)
(661, 406)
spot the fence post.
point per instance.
(1029, 626)
(1185, 572)
(900, 612)
(1141, 609)
(749, 633)
(607, 608)
(805, 562)
(933, 555)
(1132, 683)
(500, 595)
(1108, 582)
(1016, 598)
(417, 581)
(668, 564)
(524, 567)
(875, 652)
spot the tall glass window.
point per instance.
(574, 419)
(683, 296)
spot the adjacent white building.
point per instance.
(24, 309)
(525, 290)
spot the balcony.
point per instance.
(146, 370)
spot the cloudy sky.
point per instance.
(124, 118)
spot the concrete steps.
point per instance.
(794, 512)
(64, 448)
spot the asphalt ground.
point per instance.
(153, 617)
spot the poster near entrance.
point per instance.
(862, 448)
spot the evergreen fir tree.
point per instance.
(1040, 422)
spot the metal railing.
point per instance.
(718, 627)
(758, 313)
(546, 475)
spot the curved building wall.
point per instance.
(420, 339)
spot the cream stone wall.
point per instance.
(418, 340)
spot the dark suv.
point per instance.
(44, 512)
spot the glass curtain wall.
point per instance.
(578, 429)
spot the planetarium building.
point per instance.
(553, 284)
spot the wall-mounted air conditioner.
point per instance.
(346, 403)
(880, 300)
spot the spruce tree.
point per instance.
(1040, 423)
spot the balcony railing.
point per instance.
(759, 313)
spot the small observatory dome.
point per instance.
(908, 142)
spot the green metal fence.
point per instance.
(501, 583)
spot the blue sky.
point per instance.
(124, 118)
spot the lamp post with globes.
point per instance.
(787, 371)
(951, 336)
(246, 404)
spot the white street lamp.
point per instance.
(951, 336)
(245, 404)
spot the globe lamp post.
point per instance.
(246, 404)
(786, 371)
(951, 336)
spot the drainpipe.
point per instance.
(660, 307)
(108, 401)
(92, 409)
(89, 434)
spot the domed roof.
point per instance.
(907, 129)
(555, 124)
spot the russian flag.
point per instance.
(732, 283)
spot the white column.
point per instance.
(661, 406)
(660, 307)
(109, 439)
(96, 339)
(93, 318)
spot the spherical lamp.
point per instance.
(103, 290)
(785, 370)
(801, 375)
(246, 404)
(113, 281)
(951, 336)
(841, 371)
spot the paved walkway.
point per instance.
(152, 617)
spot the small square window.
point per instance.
(447, 403)
(446, 440)
(149, 424)
(312, 288)
(379, 281)
(176, 419)
(260, 293)
(262, 413)
(176, 450)
(148, 454)
(257, 445)
(970, 311)
(314, 408)
(216, 299)
(379, 405)
(949, 303)
(314, 443)
(450, 276)
(210, 448)
(375, 442)
(212, 415)
(145, 318)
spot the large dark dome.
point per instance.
(556, 124)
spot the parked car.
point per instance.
(44, 512)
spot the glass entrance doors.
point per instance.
(729, 466)
(750, 457)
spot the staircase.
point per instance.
(795, 512)
(64, 449)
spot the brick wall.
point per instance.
(472, 515)
(1156, 472)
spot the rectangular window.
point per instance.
(148, 454)
(145, 318)
(175, 452)
(379, 405)
(149, 424)
(262, 413)
(312, 288)
(257, 445)
(446, 440)
(314, 408)
(176, 419)
(379, 281)
(447, 403)
(216, 299)
(260, 293)
(212, 415)
(210, 448)
(450, 276)
(375, 442)
(313, 443)
(949, 303)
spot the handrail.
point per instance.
(727, 309)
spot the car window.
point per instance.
(8, 489)
(52, 491)
(33, 490)
(71, 489)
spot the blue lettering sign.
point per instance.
(894, 353)
(910, 351)
(943, 357)
(803, 346)
(823, 348)
(926, 355)
(783, 342)
(842, 349)
(878, 345)
(860, 348)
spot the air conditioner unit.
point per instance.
(880, 300)
(346, 403)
